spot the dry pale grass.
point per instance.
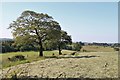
(87, 65)
(97, 49)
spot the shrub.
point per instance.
(73, 53)
(116, 49)
(84, 50)
(16, 58)
(77, 46)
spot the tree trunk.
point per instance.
(60, 53)
(41, 49)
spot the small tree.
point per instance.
(60, 42)
(34, 28)
(64, 40)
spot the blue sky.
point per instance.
(84, 21)
(59, 0)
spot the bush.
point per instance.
(77, 46)
(116, 49)
(84, 50)
(16, 58)
(68, 47)
(27, 48)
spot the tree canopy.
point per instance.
(35, 28)
(65, 39)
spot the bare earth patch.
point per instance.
(87, 65)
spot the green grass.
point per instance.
(30, 57)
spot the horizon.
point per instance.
(84, 21)
(75, 42)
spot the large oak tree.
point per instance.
(35, 28)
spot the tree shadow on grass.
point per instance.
(71, 56)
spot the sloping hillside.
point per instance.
(89, 64)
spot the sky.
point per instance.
(84, 21)
(59, 0)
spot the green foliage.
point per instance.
(63, 41)
(34, 29)
(50, 45)
(27, 48)
(7, 46)
(67, 47)
(59, 43)
(77, 46)
(65, 38)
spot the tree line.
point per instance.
(10, 46)
(103, 44)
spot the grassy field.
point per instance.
(97, 49)
(34, 56)
(29, 56)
